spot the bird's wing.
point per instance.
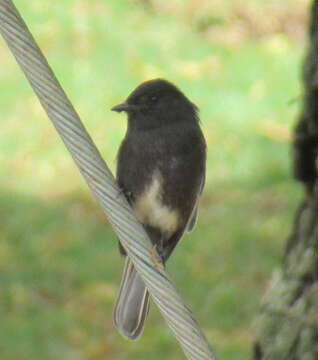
(193, 218)
(189, 226)
(194, 215)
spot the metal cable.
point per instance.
(101, 182)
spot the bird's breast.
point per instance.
(150, 209)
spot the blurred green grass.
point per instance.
(59, 267)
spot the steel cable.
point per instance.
(101, 182)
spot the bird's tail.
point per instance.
(132, 303)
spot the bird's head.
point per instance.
(157, 103)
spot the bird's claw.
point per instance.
(157, 258)
(128, 194)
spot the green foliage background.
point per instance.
(239, 61)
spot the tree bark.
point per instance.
(287, 327)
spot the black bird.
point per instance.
(161, 170)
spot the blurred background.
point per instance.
(240, 62)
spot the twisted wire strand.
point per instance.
(101, 182)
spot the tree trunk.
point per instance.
(287, 327)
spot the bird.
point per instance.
(161, 165)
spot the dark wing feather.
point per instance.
(193, 217)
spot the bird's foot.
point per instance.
(128, 194)
(157, 258)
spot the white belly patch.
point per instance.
(150, 210)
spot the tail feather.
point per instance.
(132, 303)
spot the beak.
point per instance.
(122, 107)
